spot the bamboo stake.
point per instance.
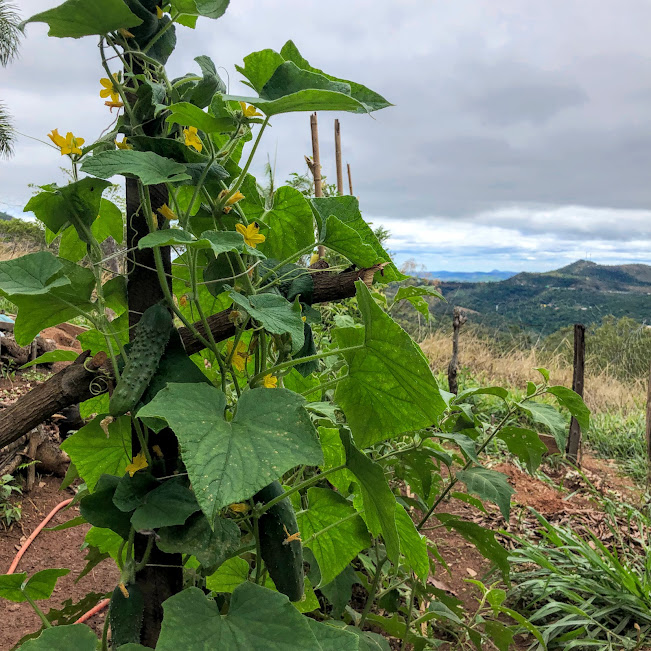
(316, 158)
(350, 179)
(340, 174)
(315, 167)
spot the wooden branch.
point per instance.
(79, 381)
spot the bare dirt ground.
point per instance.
(56, 549)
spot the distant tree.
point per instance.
(10, 34)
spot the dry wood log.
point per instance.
(23, 354)
(87, 377)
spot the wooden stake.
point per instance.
(340, 173)
(350, 179)
(316, 158)
(648, 428)
(315, 168)
(458, 320)
(574, 438)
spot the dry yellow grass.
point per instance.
(603, 392)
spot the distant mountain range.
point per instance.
(468, 276)
(582, 292)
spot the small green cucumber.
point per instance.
(125, 615)
(152, 334)
(284, 560)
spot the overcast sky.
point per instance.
(520, 138)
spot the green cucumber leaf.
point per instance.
(377, 498)
(230, 461)
(77, 18)
(276, 314)
(95, 454)
(389, 388)
(59, 206)
(166, 506)
(333, 531)
(63, 638)
(150, 168)
(210, 546)
(52, 357)
(289, 224)
(257, 619)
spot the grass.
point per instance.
(620, 436)
(617, 428)
(514, 367)
(579, 593)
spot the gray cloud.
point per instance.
(505, 114)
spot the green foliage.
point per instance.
(9, 511)
(578, 592)
(293, 439)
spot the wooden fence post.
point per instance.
(458, 320)
(350, 179)
(340, 173)
(648, 428)
(574, 438)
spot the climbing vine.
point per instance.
(266, 470)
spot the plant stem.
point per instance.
(258, 551)
(324, 386)
(293, 362)
(37, 610)
(161, 31)
(410, 608)
(371, 595)
(293, 256)
(301, 486)
(105, 629)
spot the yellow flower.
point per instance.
(109, 89)
(125, 33)
(113, 105)
(240, 357)
(159, 13)
(192, 139)
(56, 138)
(124, 144)
(166, 212)
(314, 258)
(139, 462)
(238, 196)
(270, 381)
(251, 234)
(67, 145)
(249, 111)
(239, 507)
(183, 301)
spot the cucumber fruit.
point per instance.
(284, 560)
(147, 348)
(125, 615)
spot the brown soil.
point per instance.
(49, 549)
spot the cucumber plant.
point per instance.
(281, 440)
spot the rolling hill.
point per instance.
(582, 292)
